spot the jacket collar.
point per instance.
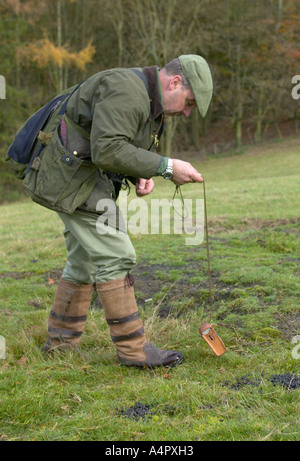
(154, 91)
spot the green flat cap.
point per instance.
(198, 74)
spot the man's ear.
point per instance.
(175, 82)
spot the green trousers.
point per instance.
(96, 252)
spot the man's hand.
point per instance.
(144, 186)
(184, 172)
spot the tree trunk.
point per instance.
(238, 129)
(168, 137)
(258, 131)
(238, 132)
(279, 17)
(59, 43)
(195, 129)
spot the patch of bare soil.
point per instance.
(16, 275)
(289, 324)
(148, 284)
(221, 224)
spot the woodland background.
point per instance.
(251, 46)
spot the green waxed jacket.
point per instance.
(113, 122)
(114, 106)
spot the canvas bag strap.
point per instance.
(60, 113)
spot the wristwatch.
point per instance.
(168, 173)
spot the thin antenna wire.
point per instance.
(207, 247)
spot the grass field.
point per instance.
(253, 218)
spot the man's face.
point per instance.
(179, 101)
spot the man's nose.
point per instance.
(187, 112)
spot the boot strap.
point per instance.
(60, 333)
(134, 334)
(66, 318)
(128, 318)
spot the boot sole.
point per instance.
(173, 364)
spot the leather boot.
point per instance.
(68, 315)
(126, 327)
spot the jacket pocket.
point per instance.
(59, 179)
